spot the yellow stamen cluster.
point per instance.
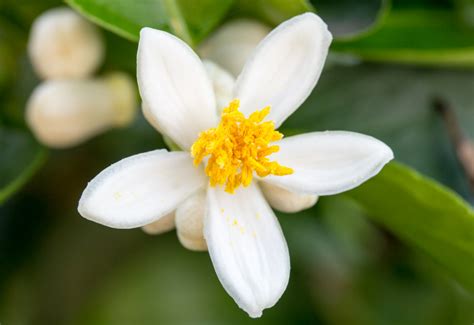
(237, 147)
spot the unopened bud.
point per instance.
(286, 201)
(64, 113)
(231, 44)
(189, 222)
(62, 44)
(164, 224)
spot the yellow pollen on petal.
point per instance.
(238, 147)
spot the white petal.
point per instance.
(287, 201)
(189, 222)
(284, 68)
(222, 82)
(232, 44)
(247, 247)
(330, 162)
(150, 117)
(162, 225)
(174, 87)
(140, 189)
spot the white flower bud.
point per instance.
(222, 83)
(62, 44)
(160, 226)
(286, 201)
(231, 44)
(64, 113)
(189, 222)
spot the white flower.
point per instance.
(64, 113)
(241, 232)
(62, 44)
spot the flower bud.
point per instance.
(231, 44)
(164, 224)
(286, 201)
(64, 113)
(62, 44)
(189, 222)
(222, 83)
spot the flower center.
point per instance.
(237, 147)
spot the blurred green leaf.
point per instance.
(20, 158)
(466, 10)
(6, 62)
(348, 18)
(22, 13)
(420, 32)
(424, 214)
(120, 55)
(272, 11)
(394, 104)
(368, 273)
(188, 19)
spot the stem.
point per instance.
(464, 148)
(177, 23)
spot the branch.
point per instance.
(463, 146)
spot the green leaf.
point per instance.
(418, 33)
(382, 278)
(188, 19)
(424, 214)
(348, 18)
(272, 11)
(20, 158)
(466, 11)
(394, 104)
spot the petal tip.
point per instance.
(86, 212)
(174, 87)
(359, 157)
(255, 313)
(145, 31)
(85, 209)
(150, 36)
(386, 153)
(317, 20)
(389, 155)
(292, 54)
(124, 195)
(260, 281)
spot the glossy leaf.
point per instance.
(419, 32)
(20, 158)
(188, 19)
(424, 214)
(272, 11)
(348, 18)
(394, 104)
(466, 10)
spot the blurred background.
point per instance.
(389, 65)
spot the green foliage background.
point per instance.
(397, 250)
